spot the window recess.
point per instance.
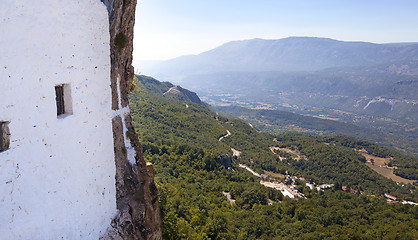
(4, 136)
(63, 99)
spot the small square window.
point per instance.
(4, 136)
(63, 99)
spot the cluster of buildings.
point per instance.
(288, 187)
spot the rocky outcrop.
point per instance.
(168, 90)
(184, 94)
(225, 160)
(137, 196)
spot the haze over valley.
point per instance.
(369, 85)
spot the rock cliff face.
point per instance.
(136, 193)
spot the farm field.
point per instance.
(388, 173)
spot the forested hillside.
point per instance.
(206, 195)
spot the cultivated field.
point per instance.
(388, 173)
(380, 165)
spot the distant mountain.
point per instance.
(288, 54)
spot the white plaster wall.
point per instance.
(57, 180)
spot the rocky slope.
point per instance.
(168, 90)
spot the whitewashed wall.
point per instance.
(57, 180)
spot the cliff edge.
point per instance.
(136, 194)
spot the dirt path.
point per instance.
(172, 89)
(228, 133)
(283, 188)
(295, 154)
(228, 196)
(249, 169)
(286, 191)
(273, 149)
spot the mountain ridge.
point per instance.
(286, 54)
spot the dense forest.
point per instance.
(202, 196)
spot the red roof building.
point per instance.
(392, 198)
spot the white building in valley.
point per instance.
(57, 169)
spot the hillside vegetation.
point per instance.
(183, 141)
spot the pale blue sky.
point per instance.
(169, 28)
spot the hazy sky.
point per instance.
(170, 28)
